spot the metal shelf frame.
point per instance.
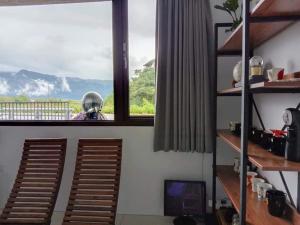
(247, 105)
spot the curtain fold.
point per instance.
(184, 74)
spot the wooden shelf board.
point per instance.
(230, 92)
(265, 87)
(261, 32)
(257, 211)
(259, 156)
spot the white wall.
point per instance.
(143, 171)
(281, 51)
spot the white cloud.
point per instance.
(37, 88)
(72, 39)
(4, 87)
(65, 85)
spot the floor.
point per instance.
(121, 219)
(125, 219)
(136, 220)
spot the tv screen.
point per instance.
(185, 198)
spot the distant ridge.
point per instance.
(38, 85)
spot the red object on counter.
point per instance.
(279, 133)
(281, 74)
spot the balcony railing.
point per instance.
(35, 111)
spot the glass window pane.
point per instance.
(51, 56)
(141, 18)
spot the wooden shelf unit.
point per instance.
(265, 87)
(261, 32)
(267, 19)
(257, 211)
(259, 156)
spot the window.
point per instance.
(141, 56)
(52, 56)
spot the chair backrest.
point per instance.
(94, 194)
(35, 190)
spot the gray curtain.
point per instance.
(184, 119)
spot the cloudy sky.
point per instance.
(72, 39)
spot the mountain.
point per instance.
(38, 85)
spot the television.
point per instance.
(184, 198)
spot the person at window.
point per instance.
(92, 104)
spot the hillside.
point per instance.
(38, 85)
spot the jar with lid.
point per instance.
(256, 69)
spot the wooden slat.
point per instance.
(103, 167)
(50, 171)
(45, 200)
(38, 175)
(85, 223)
(34, 193)
(25, 210)
(35, 185)
(22, 221)
(23, 215)
(97, 162)
(93, 192)
(27, 205)
(259, 156)
(37, 180)
(91, 197)
(108, 174)
(92, 202)
(102, 157)
(87, 219)
(40, 152)
(94, 214)
(89, 208)
(86, 182)
(98, 153)
(30, 195)
(95, 187)
(32, 160)
(17, 190)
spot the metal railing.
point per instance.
(35, 111)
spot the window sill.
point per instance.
(147, 122)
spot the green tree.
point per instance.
(141, 92)
(142, 86)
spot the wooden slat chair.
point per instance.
(35, 190)
(94, 194)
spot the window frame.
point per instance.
(120, 72)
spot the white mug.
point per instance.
(255, 181)
(274, 73)
(262, 189)
(236, 165)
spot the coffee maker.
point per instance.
(291, 118)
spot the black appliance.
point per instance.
(278, 144)
(291, 118)
(276, 202)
